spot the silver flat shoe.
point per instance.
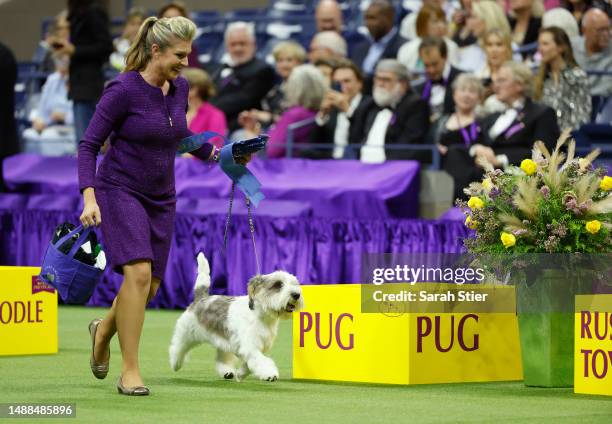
(132, 391)
(99, 370)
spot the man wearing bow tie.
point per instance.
(242, 80)
(395, 115)
(439, 77)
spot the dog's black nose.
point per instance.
(295, 296)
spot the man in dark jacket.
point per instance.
(243, 81)
(384, 40)
(338, 108)
(395, 115)
(89, 48)
(8, 129)
(436, 89)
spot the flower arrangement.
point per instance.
(553, 203)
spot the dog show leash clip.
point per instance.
(238, 173)
(251, 225)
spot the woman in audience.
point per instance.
(485, 16)
(134, 19)
(525, 20)
(306, 88)
(456, 133)
(430, 21)
(560, 82)
(201, 115)
(52, 131)
(498, 48)
(287, 55)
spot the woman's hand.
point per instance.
(39, 125)
(91, 212)
(442, 149)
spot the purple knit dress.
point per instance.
(134, 185)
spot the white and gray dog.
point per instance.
(242, 328)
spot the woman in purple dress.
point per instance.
(132, 195)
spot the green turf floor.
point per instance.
(195, 394)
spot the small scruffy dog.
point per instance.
(242, 328)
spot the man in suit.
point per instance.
(328, 16)
(338, 108)
(439, 76)
(395, 115)
(384, 40)
(243, 80)
(509, 136)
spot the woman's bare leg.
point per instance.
(129, 318)
(108, 327)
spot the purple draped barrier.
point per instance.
(317, 250)
(333, 188)
(454, 214)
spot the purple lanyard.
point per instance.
(469, 138)
(427, 89)
(515, 127)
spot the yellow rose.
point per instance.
(470, 224)
(593, 227)
(475, 203)
(487, 184)
(529, 166)
(606, 183)
(508, 239)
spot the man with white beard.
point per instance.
(395, 115)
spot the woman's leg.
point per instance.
(108, 327)
(129, 317)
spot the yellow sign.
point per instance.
(28, 313)
(334, 340)
(593, 344)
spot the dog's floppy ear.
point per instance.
(255, 284)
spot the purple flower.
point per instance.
(494, 193)
(545, 191)
(584, 206)
(519, 232)
(571, 204)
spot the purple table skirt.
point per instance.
(317, 250)
(334, 188)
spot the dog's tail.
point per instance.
(203, 281)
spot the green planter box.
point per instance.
(546, 328)
(547, 349)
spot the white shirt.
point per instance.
(373, 151)
(506, 119)
(343, 125)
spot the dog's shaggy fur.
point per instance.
(242, 328)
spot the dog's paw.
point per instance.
(228, 375)
(271, 378)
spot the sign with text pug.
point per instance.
(593, 344)
(341, 337)
(28, 313)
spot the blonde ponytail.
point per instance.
(162, 32)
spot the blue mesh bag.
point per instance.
(75, 281)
